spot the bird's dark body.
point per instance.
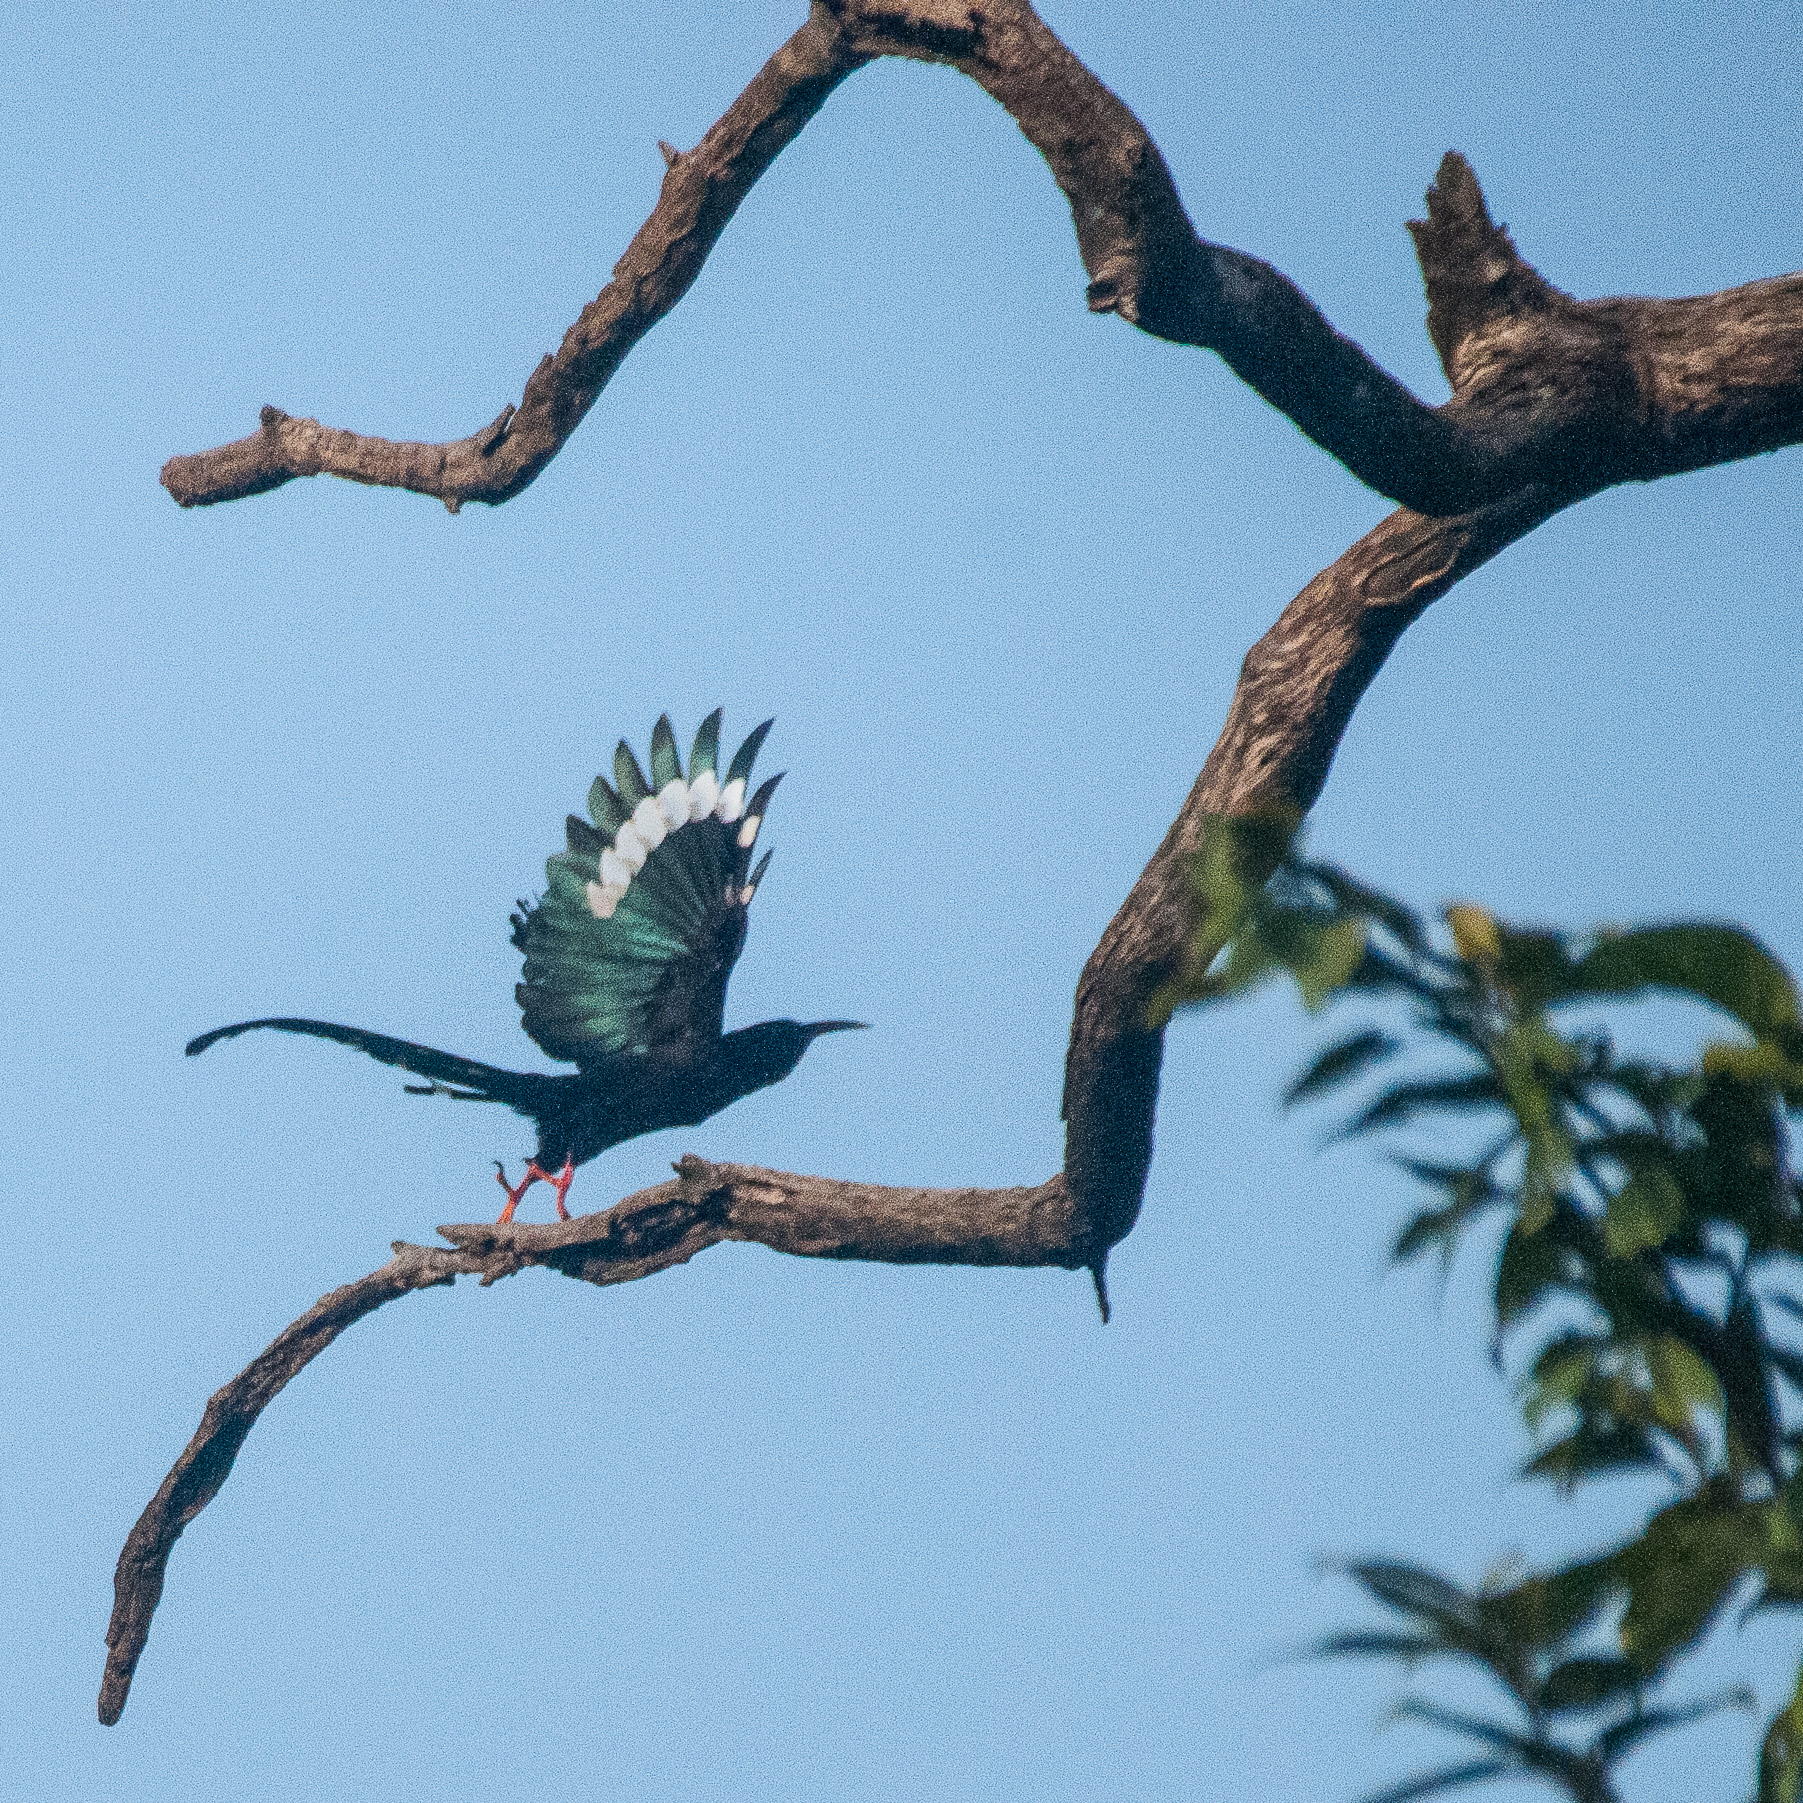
(605, 1105)
(578, 1117)
(627, 960)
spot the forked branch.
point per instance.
(1553, 399)
(1644, 405)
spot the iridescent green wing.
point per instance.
(629, 950)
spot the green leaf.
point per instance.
(1494, 1734)
(1472, 1193)
(1353, 897)
(1723, 965)
(1560, 1373)
(1595, 1450)
(1781, 1753)
(1476, 934)
(1531, 1264)
(1535, 968)
(1323, 968)
(1403, 1101)
(1340, 1063)
(1248, 962)
(1614, 1742)
(1762, 1066)
(1456, 1615)
(1547, 1609)
(1683, 1384)
(1584, 1683)
(1679, 1573)
(1375, 1643)
(1643, 1212)
(1235, 860)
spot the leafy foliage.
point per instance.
(1647, 1279)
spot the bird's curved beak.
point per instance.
(817, 1027)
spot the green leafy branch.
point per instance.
(1649, 1264)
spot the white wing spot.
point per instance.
(704, 795)
(649, 822)
(654, 819)
(630, 848)
(673, 803)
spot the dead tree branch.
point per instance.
(1296, 693)
(1553, 400)
(665, 1225)
(1638, 393)
(206, 1460)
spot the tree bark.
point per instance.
(1560, 391)
(1553, 400)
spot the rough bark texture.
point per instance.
(1553, 400)
(816, 1217)
(1553, 391)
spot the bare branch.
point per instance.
(701, 192)
(816, 1217)
(1296, 693)
(1554, 399)
(206, 1461)
(1547, 390)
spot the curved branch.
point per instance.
(701, 192)
(206, 1460)
(1297, 691)
(1295, 697)
(817, 1217)
(1562, 398)
(1546, 389)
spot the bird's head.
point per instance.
(773, 1048)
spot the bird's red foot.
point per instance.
(561, 1183)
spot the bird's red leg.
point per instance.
(561, 1183)
(533, 1174)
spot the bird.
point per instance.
(627, 957)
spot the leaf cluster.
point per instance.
(1646, 1281)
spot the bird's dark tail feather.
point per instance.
(476, 1082)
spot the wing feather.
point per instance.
(640, 971)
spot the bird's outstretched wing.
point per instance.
(629, 949)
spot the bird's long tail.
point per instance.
(473, 1082)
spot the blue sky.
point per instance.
(764, 1527)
